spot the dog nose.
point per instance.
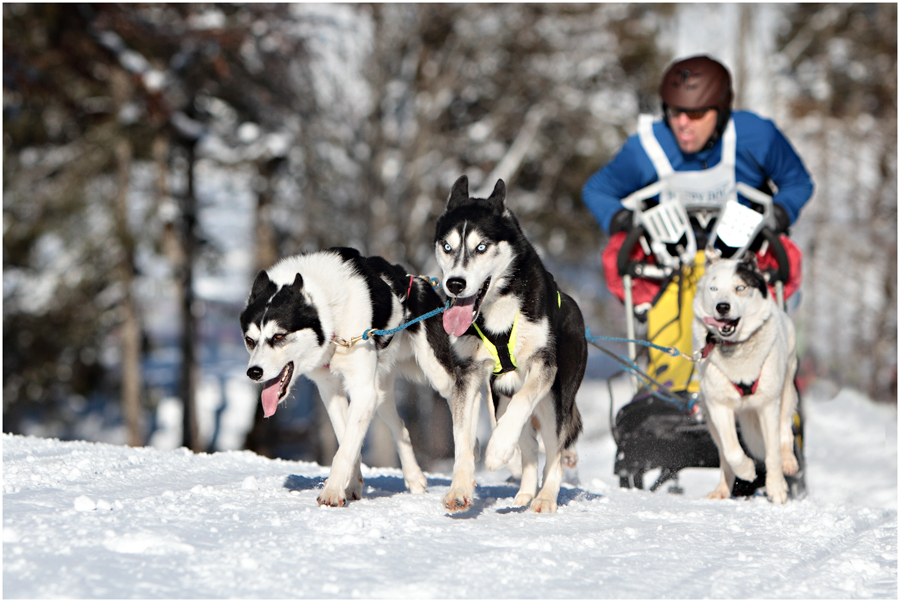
(456, 285)
(723, 308)
(255, 373)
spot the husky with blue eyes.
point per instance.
(510, 321)
(747, 373)
(306, 316)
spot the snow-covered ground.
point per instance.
(93, 520)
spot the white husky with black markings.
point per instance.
(509, 319)
(300, 316)
(747, 373)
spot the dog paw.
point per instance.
(543, 506)
(719, 493)
(354, 491)
(789, 464)
(495, 459)
(333, 499)
(776, 490)
(570, 457)
(523, 499)
(416, 483)
(457, 501)
(745, 470)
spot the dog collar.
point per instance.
(711, 342)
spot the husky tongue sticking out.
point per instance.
(275, 389)
(458, 318)
(270, 399)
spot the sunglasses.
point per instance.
(693, 114)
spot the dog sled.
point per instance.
(654, 269)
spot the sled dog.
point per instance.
(301, 318)
(748, 373)
(511, 321)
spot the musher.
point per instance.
(700, 142)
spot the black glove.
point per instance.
(782, 221)
(621, 221)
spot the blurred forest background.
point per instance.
(157, 155)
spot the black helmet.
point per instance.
(698, 82)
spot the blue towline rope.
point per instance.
(626, 363)
(673, 351)
(434, 312)
(629, 365)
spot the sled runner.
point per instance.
(654, 269)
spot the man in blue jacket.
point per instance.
(696, 98)
(701, 148)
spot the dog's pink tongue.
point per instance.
(713, 322)
(458, 318)
(270, 398)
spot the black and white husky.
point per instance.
(304, 317)
(512, 323)
(747, 373)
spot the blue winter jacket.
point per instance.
(763, 153)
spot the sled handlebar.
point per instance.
(783, 273)
(639, 269)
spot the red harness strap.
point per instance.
(743, 389)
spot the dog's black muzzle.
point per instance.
(456, 285)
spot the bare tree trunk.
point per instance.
(190, 436)
(266, 245)
(132, 378)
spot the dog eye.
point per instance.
(249, 342)
(447, 247)
(740, 288)
(714, 288)
(481, 248)
(277, 338)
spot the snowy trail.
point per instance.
(89, 520)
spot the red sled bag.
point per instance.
(645, 290)
(768, 261)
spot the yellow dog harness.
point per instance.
(503, 346)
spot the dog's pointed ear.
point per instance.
(749, 261)
(498, 196)
(459, 194)
(748, 271)
(298, 282)
(712, 255)
(260, 285)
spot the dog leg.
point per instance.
(336, 406)
(364, 400)
(726, 480)
(570, 457)
(529, 481)
(789, 403)
(546, 500)
(503, 442)
(387, 410)
(769, 421)
(464, 410)
(723, 419)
